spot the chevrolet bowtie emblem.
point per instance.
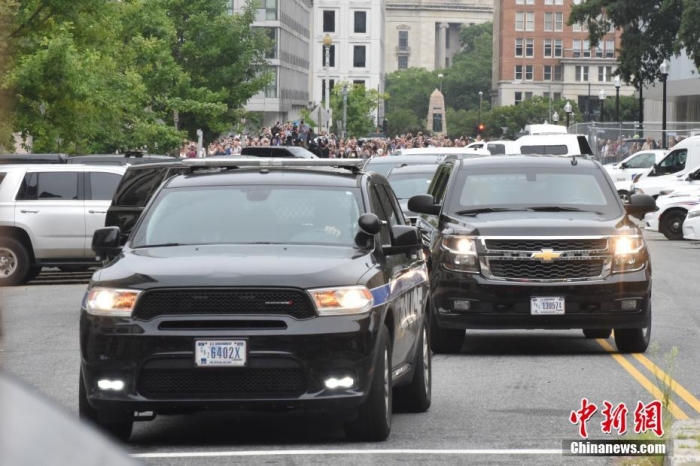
(547, 255)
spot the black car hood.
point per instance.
(237, 265)
(539, 224)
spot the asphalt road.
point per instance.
(507, 392)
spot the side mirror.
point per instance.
(404, 239)
(370, 224)
(424, 204)
(106, 242)
(624, 165)
(640, 205)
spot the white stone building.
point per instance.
(682, 94)
(288, 24)
(425, 33)
(357, 54)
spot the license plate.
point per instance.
(220, 353)
(547, 305)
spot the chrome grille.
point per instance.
(536, 270)
(558, 244)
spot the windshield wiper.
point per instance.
(485, 210)
(162, 245)
(558, 208)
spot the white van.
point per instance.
(683, 159)
(545, 129)
(554, 144)
(502, 147)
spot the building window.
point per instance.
(599, 50)
(586, 49)
(361, 22)
(558, 48)
(359, 82)
(581, 73)
(403, 62)
(403, 40)
(359, 56)
(518, 47)
(547, 73)
(548, 21)
(520, 21)
(556, 95)
(272, 35)
(271, 89)
(530, 21)
(553, 2)
(528, 96)
(270, 10)
(329, 21)
(447, 62)
(524, 2)
(323, 88)
(557, 73)
(548, 48)
(529, 73)
(605, 74)
(530, 48)
(331, 55)
(518, 72)
(580, 27)
(518, 98)
(609, 49)
(576, 48)
(558, 21)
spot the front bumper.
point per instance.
(507, 304)
(651, 221)
(286, 367)
(691, 228)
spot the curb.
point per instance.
(683, 446)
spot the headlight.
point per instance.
(629, 253)
(460, 254)
(342, 301)
(111, 302)
(693, 214)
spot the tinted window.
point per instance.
(645, 160)
(407, 185)
(138, 185)
(2, 177)
(672, 163)
(495, 149)
(397, 212)
(561, 149)
(49, 186)
(377, 208)
(252, 215)
(524, 188)
(103, 185)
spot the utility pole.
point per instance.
(345, 110)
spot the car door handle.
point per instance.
(29, 211)
(97, 211)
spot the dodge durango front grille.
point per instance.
(224, 302)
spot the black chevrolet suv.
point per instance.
(534, 242)
(268, 283)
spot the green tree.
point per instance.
(462, 122)
(410, 90)
(403, 121)
(652, 31)
(629, 109)
(507, 122)
(361, 103)
(471, 69)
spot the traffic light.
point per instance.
(481, 127)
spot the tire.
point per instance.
(603, 333)
(15, 262)
(672, 225)
(445, 340)
(121, 430)
(416, 397)
(633, 340)
(373, 423)
(624, 196)
(33, 273)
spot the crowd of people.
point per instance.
(614, 150)
(322, 144)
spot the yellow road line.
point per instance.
(676, 412)
(672, 384)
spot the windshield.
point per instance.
(527, 188)
(407, 185)
(251, 215)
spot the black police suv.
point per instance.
(260, 284)
(534, 242)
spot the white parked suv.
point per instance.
(48, 214)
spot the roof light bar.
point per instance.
(273, 162)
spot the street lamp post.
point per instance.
(601, 96)
(664, 76)
(327, 42)
(555, 118)
(568, 110)
(481, 95)
(617, 98)
(345, 110)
